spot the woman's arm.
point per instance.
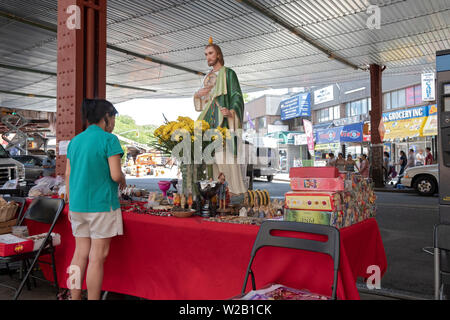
(115, 170)
(66, 196)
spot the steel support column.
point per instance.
(81, 71)
(376, 152)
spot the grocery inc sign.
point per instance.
(406, 114)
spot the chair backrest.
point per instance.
(330, 247)
(21, 201)
(44, 210)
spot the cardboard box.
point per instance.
(11, 245)
(6, 227)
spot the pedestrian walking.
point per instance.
(420, 158)
(411, 159)
(429, 157)
(350, 164)
(403, 162)
(364, 166)
(386, 166)
(93, 178)
(331, 162)
(340, 162)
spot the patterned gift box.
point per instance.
(317, 184)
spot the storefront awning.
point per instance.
(431, 124)
(410, 123)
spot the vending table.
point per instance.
(169, 258)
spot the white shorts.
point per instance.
(96, 225)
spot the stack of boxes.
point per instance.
(325, 196)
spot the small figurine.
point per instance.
(176, 199)
(223, 194)
(190, 201)
(183, 201)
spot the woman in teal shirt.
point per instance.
(93, 178)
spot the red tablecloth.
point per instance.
(189, 259)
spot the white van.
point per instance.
(271, 156)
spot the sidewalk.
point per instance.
(284, 177)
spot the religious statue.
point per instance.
(221, 104)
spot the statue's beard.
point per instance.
(212, 64)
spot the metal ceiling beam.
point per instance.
(53, 74)
(254, 6)
(53, 28)
(29, 95)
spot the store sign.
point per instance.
(352, 133)
(431, 125)
(309, 136)
(300, 140)
(276, 128)
(332, 135)
(405, 123)
(406, 114)
(324, 95)
(298, 106)
(428, 87)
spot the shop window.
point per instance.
(387, 101)
(409, 96)
(402, 98)
(337, 112)
(262, 123)
(394, 100)
(364, 106)
(418, 94)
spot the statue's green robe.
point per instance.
(226, 93)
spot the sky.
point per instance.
(150, 111)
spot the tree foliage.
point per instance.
(127, 127)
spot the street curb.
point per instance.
(394, 190)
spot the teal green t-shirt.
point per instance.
(91, 188)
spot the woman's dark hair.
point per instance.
(94, 110)
(386, 154)
(402, 153)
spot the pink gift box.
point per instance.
(317, 184)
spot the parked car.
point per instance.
(33, 166)
(425, 179)
(10, 169)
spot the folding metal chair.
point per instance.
(265, 239)
(46, 211)
(441, 261)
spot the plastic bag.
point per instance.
(39, 190)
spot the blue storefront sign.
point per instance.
(418, 112)
(332, 135)
(298, 106)
(352, 133)
(349, 133)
